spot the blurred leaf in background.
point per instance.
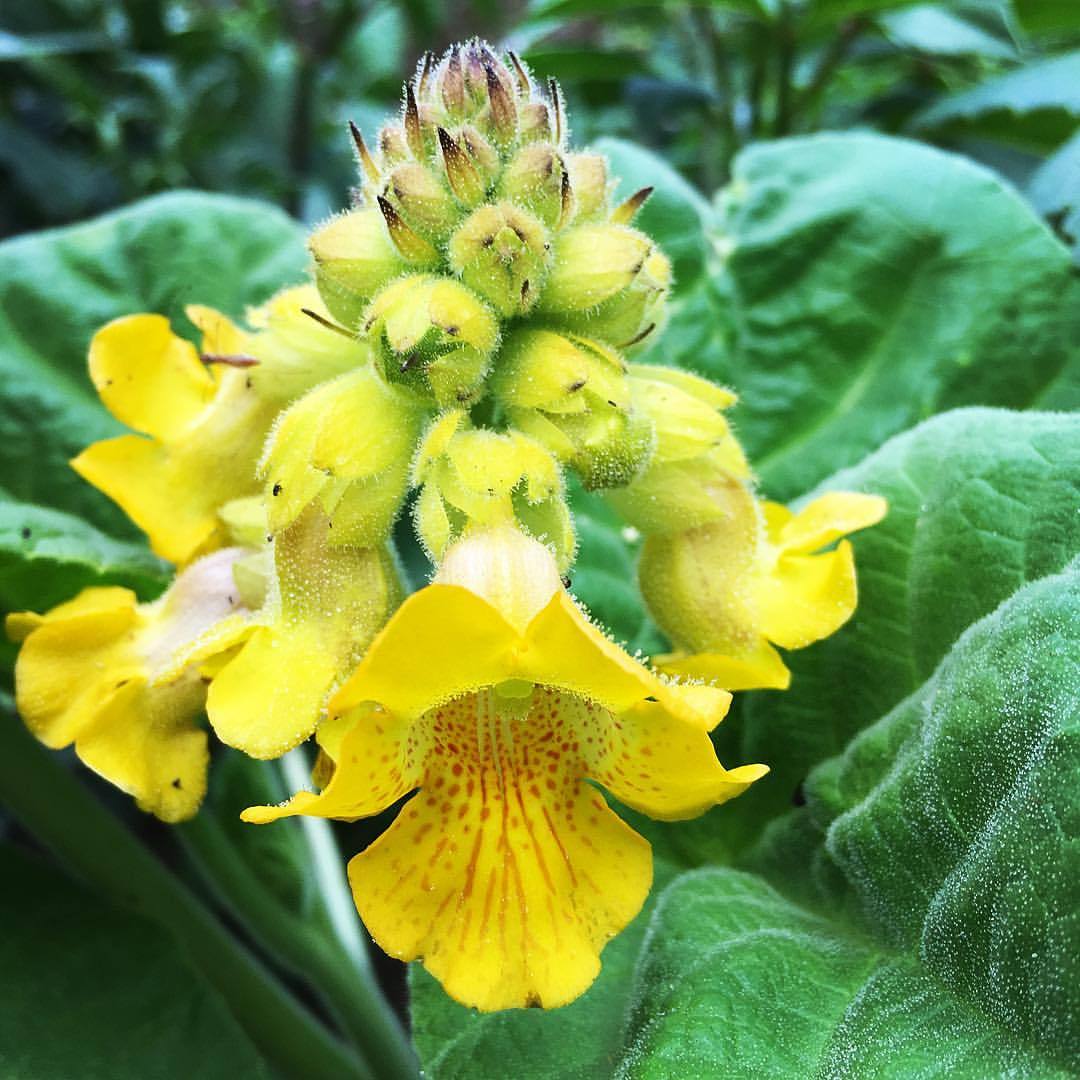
(111, 100)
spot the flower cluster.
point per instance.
(468, 338)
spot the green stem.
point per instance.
(54, 806)
(785, 65)
(831, 58)
(341, 975)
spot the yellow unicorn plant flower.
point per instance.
(202, 417)
(727, 592)
(492, 693)
(273, 669)
(88, 674)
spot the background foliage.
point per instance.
(897, 303)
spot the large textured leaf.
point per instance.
(980, 502)
(1036, 106)
(46, 556)
(93, 992)
(58, 287)
(872, 282)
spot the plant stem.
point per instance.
(54, 806)
(349, 992)
(831, 58)
(785, 63)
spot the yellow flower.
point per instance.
(727, 592)
(492, 692)
(272, 670)
(87, 674)
(205, 422)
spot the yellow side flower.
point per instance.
(493, 693)
(272, 671)
(86, 674)
(202, 424)
(728, 592)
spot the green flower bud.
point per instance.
(502, 252)
(345, 446)
(589, 180)
(537, 178)
(423, 200)
(354, 256)
(593, 264)
(484, 478)
(434, 336)
(697, 465)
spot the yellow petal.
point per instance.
(443, 641)
(808, 597)
(562, 648)
(376, 763)
(507, 879)
(270, 696)
(77, 658)
(179, 522)
(758, 668)
(663, 767)
(149, 378)
(825, 520)
(145, 742)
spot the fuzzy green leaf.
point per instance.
(98, 993)
(871, 282)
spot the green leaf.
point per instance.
(46, 556)
(676, 215)
(932, 28)
(1036, 107)
(871, 282)
(128, 1003)
(58, 287)
(1054, 190)
(1047, 16)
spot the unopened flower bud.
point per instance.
(536, 178)
(434, 336)
(593, 264)
(354, 257)
(534, 123)
(486, 478)
(588, 175)
(345, 446)
(502, 253)
(697, 466)
(633, 316)
(422, 200)
(393, 147)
